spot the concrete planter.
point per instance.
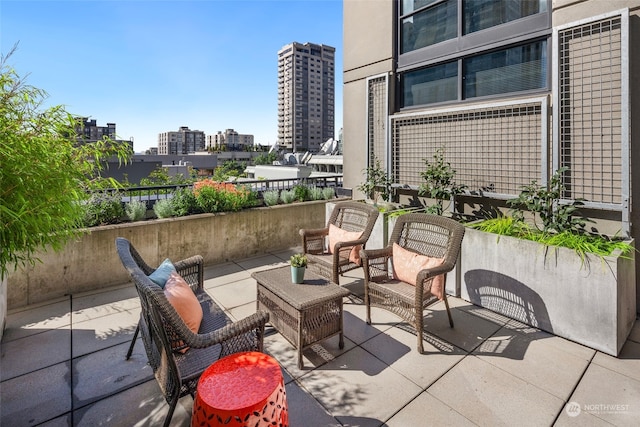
(592, 303)
(91, 263)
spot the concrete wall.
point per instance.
(92, 263)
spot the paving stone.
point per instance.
(36, 397)
(608, 396)
(489, 396)
(34, 352)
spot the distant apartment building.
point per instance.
(306, 91)
(229, 140)
(182, 141)
(88, 131)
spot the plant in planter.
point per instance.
(531, 272)
(377, 184)
(298, 265)
(439, 183)
(44, 175)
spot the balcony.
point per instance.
(63, 363)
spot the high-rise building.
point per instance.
(184, 141)
(306, 95)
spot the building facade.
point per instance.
(510, 91)
(229, 140)
(88, 130)
(306, 96)
(182, 141)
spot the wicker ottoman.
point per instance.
(304, 314)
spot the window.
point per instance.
(509, 70)
(499, 47)
(430, 26)
(430, 85)
(483, 14)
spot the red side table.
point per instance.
(242, 389)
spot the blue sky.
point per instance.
(151, 66)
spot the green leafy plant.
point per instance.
(544, 201)
(184, 202)
(44, 172)
(135, 210)
(377, 184)
(315, 193)
(103, 208)
(328, 193)
(581, 243)
(271, 197)
(287, 196)
(301, 192)
(163, 208)
(298, 260)
(439, 183)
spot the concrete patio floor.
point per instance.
(63, 364)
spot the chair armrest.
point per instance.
(254, 322)
(375, 263)
(428, 274)
(313, 239)
(314, 232)
(192, 271)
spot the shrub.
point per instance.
(212, 196)
(103, 208)
(315, 193)
(271, 197)
(135, 210)
(377, 183)
(439, 183)
(301, 192)
(185, 203)
(163, 208)
(328, 193)
(287, 196)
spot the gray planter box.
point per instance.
(591, 302)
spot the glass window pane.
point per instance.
(482, 14)
(409, 6)
(431, 26)
(510, 70)
(430, 85)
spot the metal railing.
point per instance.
(150, 194)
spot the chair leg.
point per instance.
(419, 325)
(446, 304)
(133, 341)
(172, 407)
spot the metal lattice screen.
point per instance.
(494, 148)
(376, 119)
(590, 99)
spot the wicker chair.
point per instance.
(164, 333)
(349, 216)
(425, 234)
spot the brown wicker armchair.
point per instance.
(420, 233)
(165, 334)
(356, 218)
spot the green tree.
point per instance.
(44, 172)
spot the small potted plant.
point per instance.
(298, 266)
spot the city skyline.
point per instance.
(154, 66)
